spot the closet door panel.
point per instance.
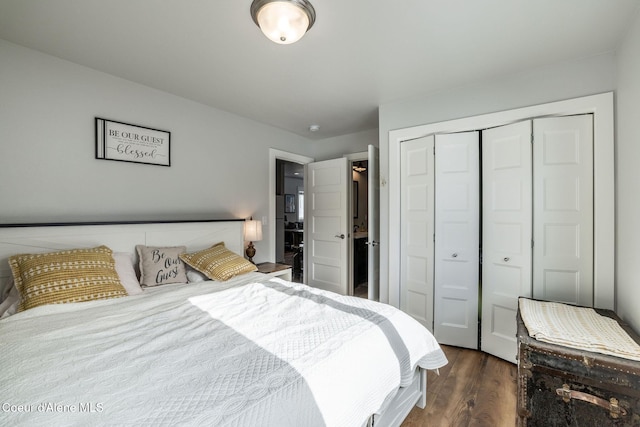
(457, 239)
(507, 232)
(416, 228)
(563, 209)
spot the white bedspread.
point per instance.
(264, 353)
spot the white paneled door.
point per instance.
(417, 229)
(326, 225)
(457, 238)
(507, 233)
(373, 224)
(563, 209)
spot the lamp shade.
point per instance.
(283, 21)
(253, 230)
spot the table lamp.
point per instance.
(252, 233)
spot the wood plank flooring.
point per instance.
(473, 389)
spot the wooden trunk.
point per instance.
(563, 386)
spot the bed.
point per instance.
(246, 351)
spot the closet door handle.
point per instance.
(454, 255)
(506, 259)
(339, 236)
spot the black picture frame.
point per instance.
(125, 142)
(289, 203)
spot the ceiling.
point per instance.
(292, 169)
(359, 54)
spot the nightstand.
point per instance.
(273, 269)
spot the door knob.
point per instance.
(454, 255)
(340, 236)
(506, 259)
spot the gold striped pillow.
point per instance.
(74, 275)
(218, 262)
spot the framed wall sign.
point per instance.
(289, 203)
(130, 143)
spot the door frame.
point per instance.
(274, 155)
(601, 106)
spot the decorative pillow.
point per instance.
(218, 262)
(194, 276)
(160, 265)
(9, 305)
(126, 272)
(66, 276)
(6, 289)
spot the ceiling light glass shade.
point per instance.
(283, 21)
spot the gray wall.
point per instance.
(570, 79)
(628, 179)
(219, 161)
(332, 148)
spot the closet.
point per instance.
(491, 215)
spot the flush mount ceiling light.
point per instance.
(359, 167)
(283, 21)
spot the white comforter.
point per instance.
(252, 352)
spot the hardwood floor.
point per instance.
(473, 389)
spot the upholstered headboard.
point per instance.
(120, 237)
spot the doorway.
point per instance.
(337, 273)
(275, 229)
(289, 198)
(364, 221)
(359, 225)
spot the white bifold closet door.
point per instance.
(537, 221)
(416, 228)
(563, 209)
(457, 238)
(506, 234)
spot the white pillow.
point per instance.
(194, 276)
(11, 303)
(126, 272)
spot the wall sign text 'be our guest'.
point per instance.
(131, 143)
